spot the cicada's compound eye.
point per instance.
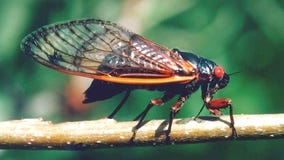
(219, 72)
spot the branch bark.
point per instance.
(39, 134)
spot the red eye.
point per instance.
(219, 71)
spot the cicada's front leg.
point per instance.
(214, 106)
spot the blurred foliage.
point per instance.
(241, 35)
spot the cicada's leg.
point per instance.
(175, 108)
(154, 102)
(214, 107)
(120, 104)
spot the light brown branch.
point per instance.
(39, 134)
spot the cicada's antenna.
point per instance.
(230, 74)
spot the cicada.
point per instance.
(119, 60)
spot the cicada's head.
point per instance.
(213, 78)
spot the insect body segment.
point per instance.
(121, 61)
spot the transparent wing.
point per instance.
(101, 49)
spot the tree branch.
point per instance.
(39, 134)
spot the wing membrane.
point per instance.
(103, 50)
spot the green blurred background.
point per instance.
(240, 35)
